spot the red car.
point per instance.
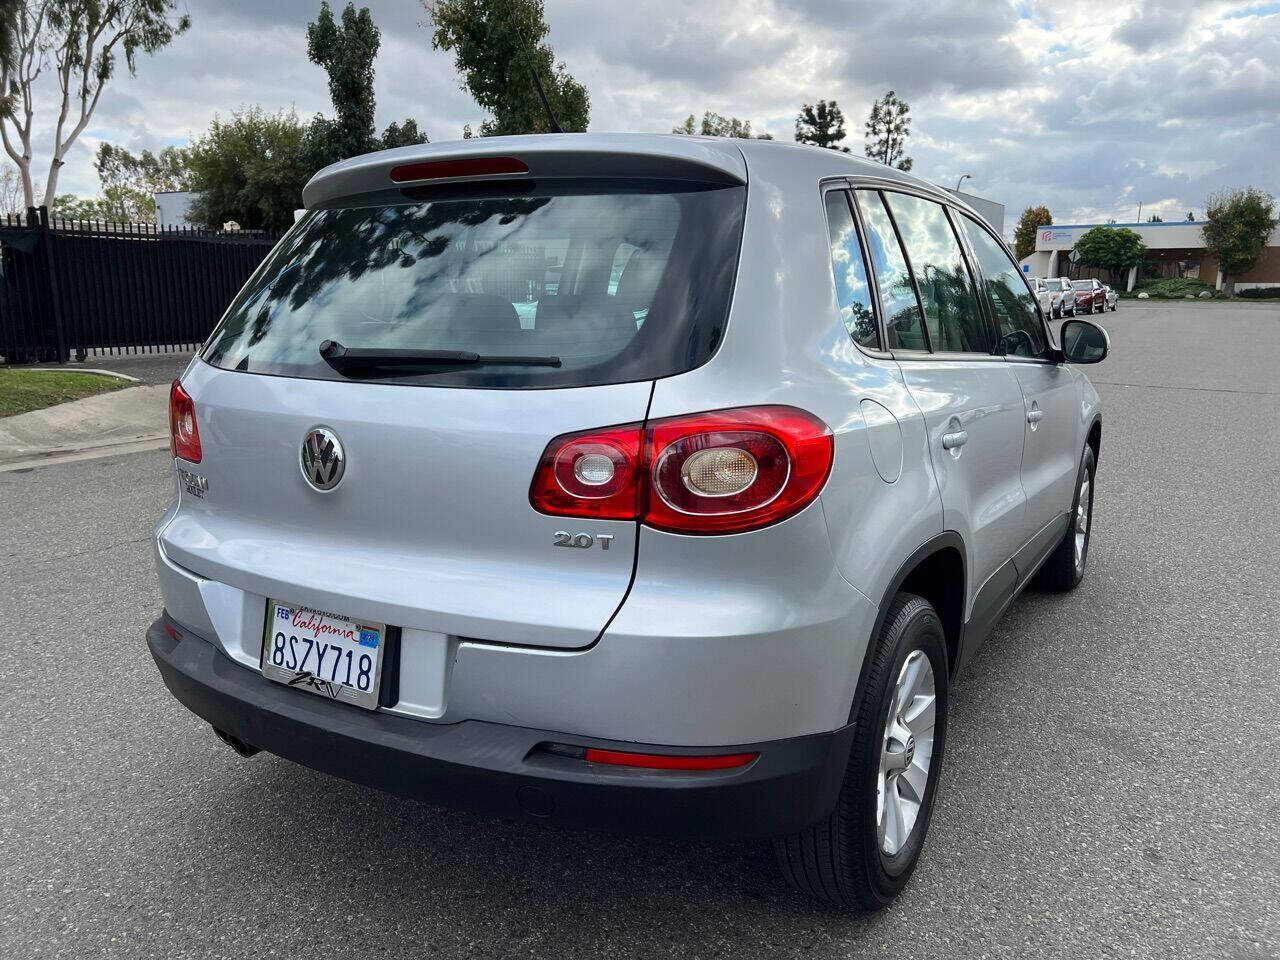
(1090, 296)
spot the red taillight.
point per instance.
(184, 435)
(592, 474)
(661, 761)
(452, 169)
(721, 472)
(734, 470)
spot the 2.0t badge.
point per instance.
(322, 460)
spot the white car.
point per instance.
(1056, 297)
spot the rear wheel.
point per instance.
(1065, 567)
(864, 852)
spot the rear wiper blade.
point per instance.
(343, 358)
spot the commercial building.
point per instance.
(1174, 249)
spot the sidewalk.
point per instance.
(136, 418)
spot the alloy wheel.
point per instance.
(1082, 520)
(906, 753)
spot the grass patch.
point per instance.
(24, 390)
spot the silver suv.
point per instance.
(655, 484)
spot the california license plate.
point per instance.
(323, 653)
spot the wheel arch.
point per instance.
(1094, 439)
(935, 571)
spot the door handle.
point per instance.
(953, 441)
(1035, 416)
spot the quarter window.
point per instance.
(897, 293)
(853, 292)
(951, 309)
(1017, 320)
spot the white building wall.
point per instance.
(172, 207)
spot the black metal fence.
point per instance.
(71, 287)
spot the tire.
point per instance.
(843, 859)
(1064, 570)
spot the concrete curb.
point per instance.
(105, 373)
(99, 425)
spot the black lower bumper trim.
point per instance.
(498, 769)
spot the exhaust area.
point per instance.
(236, 744)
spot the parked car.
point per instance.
(1044, 296)
(1090, 296)
(1066, 296)
(1112, 298)
(700, 552)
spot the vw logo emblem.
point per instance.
(322, 460)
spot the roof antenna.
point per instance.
(537, 81)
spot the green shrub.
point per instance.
(1173, 288)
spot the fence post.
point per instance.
(51, 273)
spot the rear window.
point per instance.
(571, 285)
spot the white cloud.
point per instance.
(1087, 107)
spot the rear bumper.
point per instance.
(499, 769)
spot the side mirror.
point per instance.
(1084, 342)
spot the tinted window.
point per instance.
(897, 294)
(853, 293)
(951, 308)
(619, 284)
(1017, 320)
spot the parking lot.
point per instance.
(1111, 788)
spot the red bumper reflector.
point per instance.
(173, 634)
(451, 169)
(657, 761)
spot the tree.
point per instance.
(248, 169)
(70, 207)
(1024, 234)
(714, 125)
(1113, 249)
(497, 45)
(130, 183)
(887, 130)
(821, 124)
(80, 40)
(402, 135)
(1155, 218)
(1191, 217)
(1237, 226)
(346, 52)
(10, 191)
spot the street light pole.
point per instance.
(967, 176)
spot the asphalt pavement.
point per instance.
(1112, 785)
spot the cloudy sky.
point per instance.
(1087, 106)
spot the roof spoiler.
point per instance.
(546, 156)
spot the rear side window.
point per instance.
(897, 294)
(566, 284)
(1017, 320)
(853, 292)
(952, 312)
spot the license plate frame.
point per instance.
(331, 644)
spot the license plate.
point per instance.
(323, 653)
